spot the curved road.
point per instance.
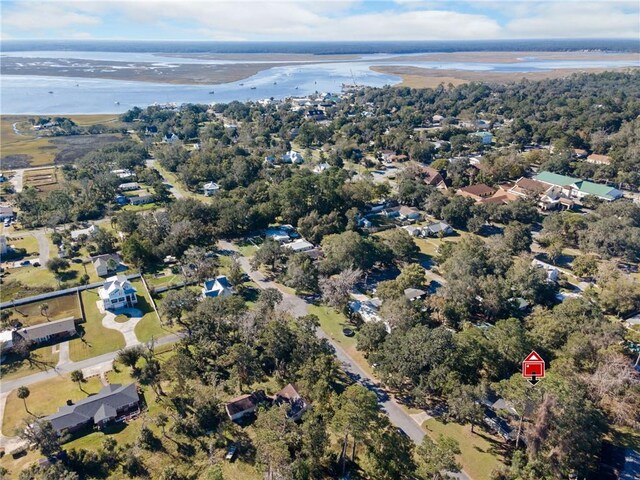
(297, 306)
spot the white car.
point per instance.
(231, 452)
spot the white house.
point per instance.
(321, 167)
(173, 138)
(299, 245)
(125, 187)
(89, 232)
(117, 292)
(218, 287)
(552, 272)
(123, 173)
(292, 157)
(210, 189)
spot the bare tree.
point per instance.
(336, 289)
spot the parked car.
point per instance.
(231, 452)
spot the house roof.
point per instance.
(299, 245)
(597, 158)
(104, 259)
(289, 392)
(438, 227)
(211, 186)
(98, 407)
(585, 186)
(245, 402)
(412, 293)
(6, 210)
(215, 286)
(529, 185)
(43, 330)
(479, 190)
(114, 283)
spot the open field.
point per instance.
(481, 453)
(28, 242)
(96, 339)
(23, 148)
(416, 77)
(58, 308)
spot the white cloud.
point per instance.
(38, 16)
(325, 19)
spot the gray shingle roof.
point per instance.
(43, 330)
(96, 408)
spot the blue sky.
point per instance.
(298, 20)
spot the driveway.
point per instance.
(43, 246)
(126, 328)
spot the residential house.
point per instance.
(299, 245)
(314, 114)
(321, 167)
(170, 139)
(368, 310)
(270, 159)
(278, 234)
(292, 157)
(438, 229)
(576, 188)
(6, 213)
(106, 264)
(218, 287)
(296, 405)
(117, 292)
(143, 198)
(385, 155)
(432, 177)
(485, 137)
(123, 173)
(413, 230)
(53, 332)
(580, 153)
(413, 294)
(89, 232)
(125, 187)
(552, 272)
(110, 403)
(409, 213)
(245, 404)
(476, 192)
(547, 197)
(436, 119)
(150, 131)
(210, 189)
(599, 159)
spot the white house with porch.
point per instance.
(117, 292)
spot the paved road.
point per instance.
(8, 385)
(151, 163)
(43, 246)
(298, 307)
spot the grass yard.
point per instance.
(332, 323)
(150, 326)
(163, 278)
(58, 308)
(43, 359)
(44, 399)
(481, 452)
(96, 339)
(29, 243)
(247, 248)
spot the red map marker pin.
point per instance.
(533, 367)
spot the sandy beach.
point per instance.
(515, 57)
(415, 77)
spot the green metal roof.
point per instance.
(584, 186)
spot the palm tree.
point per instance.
(78, 377)
(44, 310)
(23, 393)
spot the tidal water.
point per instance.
(63, 95)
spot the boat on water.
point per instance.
(117, 103)
(275, 83)
(50, 91)
(253, 88)
(241, 84)
(211, 92)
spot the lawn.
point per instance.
(150, 326)
(247, 248)
(44, 399)
(29, 243)
(44, 357)
(332, 323)
(163, 277)
(96, 339)
(59, 308)
(481, 453)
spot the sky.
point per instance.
(317, 20)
